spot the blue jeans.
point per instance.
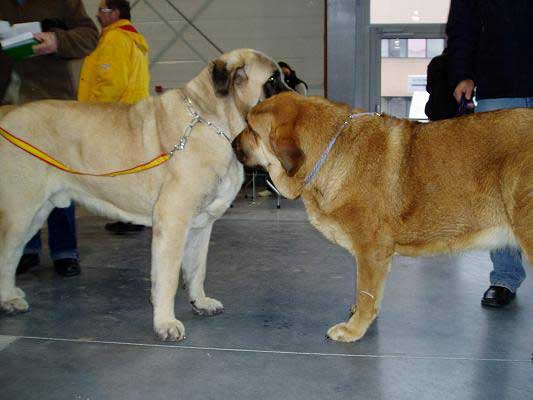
(61, 235)
(508, 270)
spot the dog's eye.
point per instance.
(272, 78)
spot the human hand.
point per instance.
(47, 45)
(465, 87)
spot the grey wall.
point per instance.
(291, 31)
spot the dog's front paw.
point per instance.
(207, 306)
(15, 303)
(15, 306)
(343, 332)
(171, 330)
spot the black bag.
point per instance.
(441, 103)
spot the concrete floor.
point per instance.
(282, 285)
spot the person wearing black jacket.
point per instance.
(489, 49)
(441, 103)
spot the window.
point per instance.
(384, 48)
(397, 48)
(416, 48)
(434, 47)
(411, 48)
(409, 11)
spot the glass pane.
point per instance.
(435, 47)
(384, 48)
(409, 11)
(398, 48)
(416, 48)
(403, 79)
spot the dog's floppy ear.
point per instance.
(221, 77)
(278, 118)
(286, 146)
(224, 76)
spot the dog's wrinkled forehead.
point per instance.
(247, 68)
(270, 75)
(275, 83)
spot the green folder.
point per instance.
(21, 50)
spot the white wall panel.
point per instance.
(291, 31)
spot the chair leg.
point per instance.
(254, 174)
(278, 194)
(245, 187)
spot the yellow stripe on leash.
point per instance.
(55, 163)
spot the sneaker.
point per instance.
(120, 228)
(27, 261)
(67, 267)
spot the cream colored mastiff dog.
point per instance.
(379, 186)
(181, 198)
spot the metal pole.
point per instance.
(194, 26)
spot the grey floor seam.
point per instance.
(295, 353)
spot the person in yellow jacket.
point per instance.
(117, 71)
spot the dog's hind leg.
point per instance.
(373, 265)
(15, 230)
(194, 268)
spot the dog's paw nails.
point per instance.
(207, 307)
(172, 330)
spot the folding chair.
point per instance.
(253, 174)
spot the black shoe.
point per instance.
(121, 228)
(26, 262)
(67, 267)
(497, 296)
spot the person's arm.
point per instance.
(112, 72)
(78, 40)
(463, 30)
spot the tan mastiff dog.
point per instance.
(181, 198)
(394, 186)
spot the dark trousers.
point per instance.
(61, 235)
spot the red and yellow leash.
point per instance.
(41, 155)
